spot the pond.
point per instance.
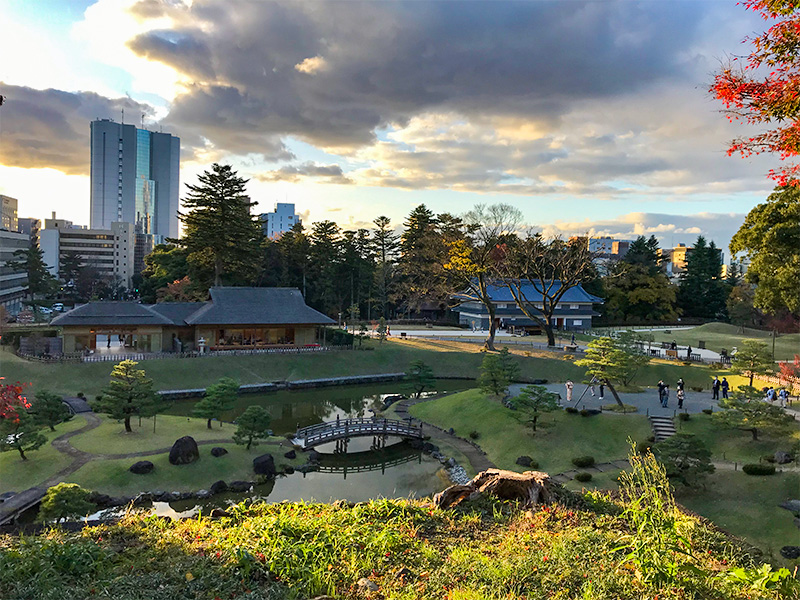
(362, 474)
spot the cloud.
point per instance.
(311, 65)
(50, 128)
(308, 170)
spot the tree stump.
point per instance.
(530, 488)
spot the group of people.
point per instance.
(663, 393)
(717, 386)
(782, 395)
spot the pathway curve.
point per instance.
(476, 457)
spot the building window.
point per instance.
(577, 322)
(573, 307)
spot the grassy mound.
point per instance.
(391, 549)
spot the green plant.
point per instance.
(474, 435)
(535, 400)
(696, 388)
(21, 433)
(744, 412)
(759, 469)
(708, 411)
(492, 379)
(571, 410)
(683, 416)
(49, 409)
(764, 579)
(129, 393)
(253, 425)
(770, 458)
(420, 377)
(219, 397)
(685, 458)
(583, 461)
(583, 477)
(63, 501)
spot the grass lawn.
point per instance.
(734, 445)
(560, 438)
(110, 437)
(600, 481)
(748, 507)
(112, 476)
(723, 335)
(17, 475)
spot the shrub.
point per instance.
(583, 476)
(571, 410)
(683, 416)
(696, 388)
(646, 446)
(708, 411)
(583, 461)
(584, 413)
(756, 469)
(770, 458)
(81, 395)
(474, 435)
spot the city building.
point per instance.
(30, 227)
(573, 312)
(134, 179)
(13, 282)
(281, 220)
(8, 213)
(110, 251)
(236, 318)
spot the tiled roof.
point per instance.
(254, 305)
(112, 313)
(177, 312)
(575, 295)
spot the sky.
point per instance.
(590, 117)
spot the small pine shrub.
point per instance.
(756, 469)
(474, 435)
(583, 477)
(584, 413)
(81, 395)
(645, 446)
(770, 458)
(683, 416)
(571, 410)
(583, 461)
(708, 411)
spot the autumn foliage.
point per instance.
(12, 400)
(764, 87)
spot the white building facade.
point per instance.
(281, 220)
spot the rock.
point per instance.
(184, 451)
(404, 574)
(783, 458)
(142, 498)
(539, 381)
(450, 463)
(451, 431)
(239, 486)
(264, 465)
(217, 451)
(99, 499)
(791, 505)
(5, 496)
(202, 494)
(117, 501)
(218, 487)
(416, 444)
(313, 456)
(427, 447)
(438, 456)
(367, 584)
(524, 461)
(288, 469)
(157, 494)
(142, 467)
(308, 468)
(218, 513)
(290, 454)
(530, 487)
(790, 552)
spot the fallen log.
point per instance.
(529, 488)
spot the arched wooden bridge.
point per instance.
(344, 429)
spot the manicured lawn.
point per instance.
(560, 438)
(112, 476)
(111, 438)
(747, 506)
(600, 481)
(17, 475)
(723, 335)
(734, 445)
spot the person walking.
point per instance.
(688, 353)
(771, 394)
(569, 385)
(681, 396)
(602, 391)
(724, 386)
(715, 385)
(593, 383)
(661, 387)
(665, 397)
(783, 395)
(680, 383)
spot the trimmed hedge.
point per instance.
(583, 476)
(683, 416)
(583, 461)
(756, 469)
(571, 410)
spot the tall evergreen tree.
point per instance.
(31, 261)
(324, 267)
(385, 246)
(128, 394)
(220, 233)
(702, 291)
(294, 250)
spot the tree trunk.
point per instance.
(613, 392)
(22, 453)
(551, 338)
(249, 441)
(52, 428)
(751, 379)
(217, 271)
(754, 431)
(536, 418)
(128, 425)
(489, 343)
(209, 424)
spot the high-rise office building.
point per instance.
(279, 221)
(134, 179)
(8, 213)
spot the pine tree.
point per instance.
(753, 357)
(702, 292)
(420, 377)
(492, 379)
(22, 434)
(220, 233)
(385, 246)
(31, 261)
(63, 501)
(535, 400)
(253, 426)
(324, 267)
(128, 394)
(49, 409)
(219, 398)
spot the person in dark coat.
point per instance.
(661, 387)
(689, 353)
(715, 385)
(724, 386)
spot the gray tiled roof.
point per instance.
(177, 312)
(253, 305)
(111, 313)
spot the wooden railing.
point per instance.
(341, 429)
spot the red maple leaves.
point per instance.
(752, 96)
(12, 401)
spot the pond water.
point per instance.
(395, 471)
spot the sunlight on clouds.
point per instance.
(41, 191)
(312, 65)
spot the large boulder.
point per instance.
(184, 451)
(264, 465)
(240, 486)
(290, 454)
(524, 461)
(783, 458)
(141, 467)
(217, 451)
(218, 487)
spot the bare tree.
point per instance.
(539, 272)
(472, 262)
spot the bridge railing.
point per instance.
(344, 428)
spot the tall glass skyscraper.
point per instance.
(134, 179)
